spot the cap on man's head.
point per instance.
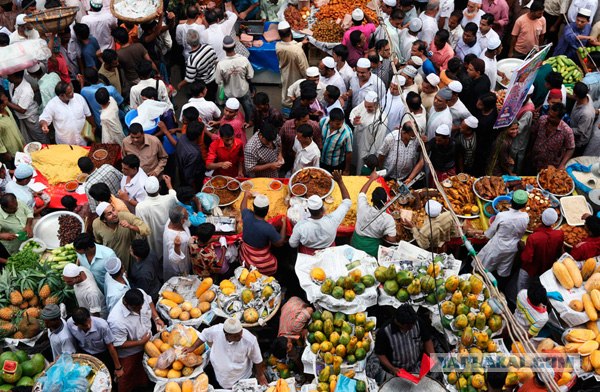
(71, 270)
(390, 3)
(555, 93)
(445, 93)
(151, 185)
(228, 42)
(96, 3)
(232, 326)
(443, 130)
(20, 21)
(358, 15)
(433, 79)
(549, 216)
(283, 25)
(50, 312)
(314, 203)
(433, 208)
(520, 197)
(398, 80)
(417, 61)
(101, 207)
(410, 71)
(23, 171)
(472, 122)
(329, 62)
(113, 265)
(312, 72)
(455, 86)
(415, 25)
(371, 97)
(494, 43)
(34, 68)
(585, 12)
(363, 63)
(232, 104)
(261, 201)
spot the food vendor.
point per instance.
(505, 233)
(208, 253)
(368, 238)
(575, 35)
(589, 247)
(436, 230)
(440, 115)
(400, 345)
(319, 231)
(234, 351)
(289, 352)
(22, 175)
(259, 235)
(226, 154)
(443, 151)
(15, 217)
(531, 312)
(543, 247)
(468, 142)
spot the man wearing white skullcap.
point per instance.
(319, 231)
(472, 13)
(369, 129)
(543, 247)
(467, 138)
(229, 340)
(23, 30)
(87, 293)
(366, 29)
(295, 90)
(364, 81)
(443, 152)
(115, 282)
(330, 76)
(458, 110)
(19, 187)
(585, 8)
(292, 62)
(259, 236)
(494, 47)
(439, 114)
(568, 42)
(233, 116)
(429, 88)
(408, 37)
(154, 210)
(101, 23)
(387, 6)
(393, 103)
(410, 74)
(438, 227)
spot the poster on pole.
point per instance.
(520, 82)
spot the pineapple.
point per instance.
(28, 294)
(18, 335)
(6, 314)
(16, 298)
(14, 308)
(51, 300)
(7, 329)
(24, 305)
(33, 312)
(34, 301)
(45, 291)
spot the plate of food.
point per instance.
(574, 234)
(416, 206)
(461, 196)
(317, 181)
(226, 188)
(556, 181)
(538, 201)
(487, 188)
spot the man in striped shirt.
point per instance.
(200, 65)
(531, 312)
(337, 142)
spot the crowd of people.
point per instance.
(424, 70)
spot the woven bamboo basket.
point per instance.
(142, 19)
(85, 359)
(52, 20)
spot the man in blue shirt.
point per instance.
(93, 256)
(91, 83)
(89, 47)
(573, 33)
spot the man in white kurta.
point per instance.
(370, 128)
(392, 104)
(458, 110)
(292, 60)
(330, 76)
(112, 129)
(494, 46)
(176, 237)
(407, 37)
(363, 82)
(154, 210)
(101, 21)
(439, 113)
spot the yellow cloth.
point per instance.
(277, 204)
(58, 162)
(353, 184)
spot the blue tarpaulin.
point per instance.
(264, 58)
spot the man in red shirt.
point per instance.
(543, 247)
(226, 154)
(590, 247)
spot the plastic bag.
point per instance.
(345, 384)
(65, 376)
(166, 359)
(207, 200)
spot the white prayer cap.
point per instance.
(312, 72)
(101, 207)
(415, 25)
(584, 12)
(371, 97)
(455, 86)
(433, 79)
(472, 122)
(113, 265)
(549, 216)
(23, 171)
(493, 43)
(531, 90)
(151, 185)
(71, 270)
(315, 203)
(398, 80)
(96, 3)
(261, 201)
(283, 25)
(232, 326)
(390, 3)
(443, 130)
(34, 68)
(416, 60)
(433, 208)
(20, 20)
(475, 1)
(410, 71)
(232, 103)
(358, 15)
(363, 63)
(329, 62)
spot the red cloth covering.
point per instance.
(587, 248)
(56, 192)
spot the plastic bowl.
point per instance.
(275, 185)
(500, 199)
(71, 186)
(233, 185)
(485, 209)
(247, 185)
(132, 114)
(81, 177)
(32, 147)
(100, 154)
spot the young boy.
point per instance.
(226, 154)
(531, 310)
(307, 151)
(112, 129)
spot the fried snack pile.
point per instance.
(574, 235)
(58, 162)
(555, 181)
(326, 30)
(295, 18)
(317, 182)
(490, 187)
(461, 196)
(353, 184)
(337, 9)
(536, 204)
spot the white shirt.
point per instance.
(181, 33)
(459, 112)
(576, 5)
(154, 210)
(504, 233)
(531, 319)
(22, 193)
(15, 37)
(208, 110)
(306, 156)
(359, 92)
(406, 42)
(420, 119)
(231, 362)
(491, 69)
(436, 119)
(336, 80)
(234, 73)
(319, 233)
(455, 36)
(112, 129)
(463, 49)
(483, 39)
(23, 96)
(135, 94)
(135, 187)
(294, 90)
(400, 158)
(334, 105)
(62, 342)
(114, 290)
(175, 264)
(383, 226)
(215, 33)
(429, 28)
(101, 24)
(89, 296)
(393, 109)
(446, 9)
(347, 73)
(476, 19)
(68, 118)
(126, 325)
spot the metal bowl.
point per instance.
(46, 229)
(555, 194)
(508, 66)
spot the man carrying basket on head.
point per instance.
(259, 236)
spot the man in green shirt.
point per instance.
(15, 217)
(11, 139)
